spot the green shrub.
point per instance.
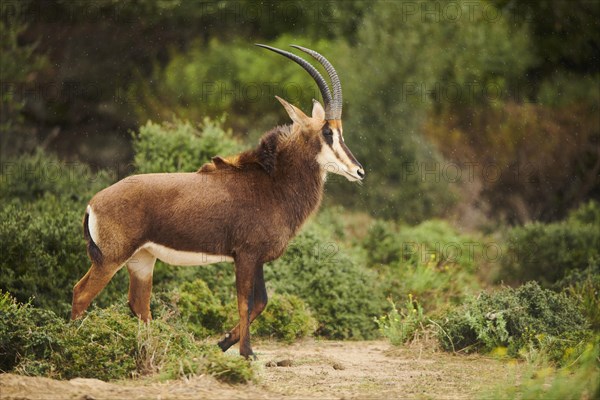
(180, 146)
(431, 261)
(587, 213)
(522, 319)
(382, 244)
(102, 345)
(388, 244)
(220, 278)
(44, 254)
(106, 344)
(546, 252)
(200, 310)
(25, 332)
(286, 318)
(344, 296)
(584, 287)
(579, 379)
(34, 176)
(37, 342)
(401, 326)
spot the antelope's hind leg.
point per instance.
(90, 285)
(141, 268)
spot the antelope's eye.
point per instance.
(327, 132)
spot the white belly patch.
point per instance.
(178, 257)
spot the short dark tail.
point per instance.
(92, 249)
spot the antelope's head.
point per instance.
(324, 127)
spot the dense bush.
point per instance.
(107, 344)
(286, 318)
(344, 296)
(387, 243)
(44, 254)
(180, 146)
(546, 252)
(521, 320)
(25, 332)
(33, 176)
(202, 312)
(584, 287)
(431, 261)
(587, 214)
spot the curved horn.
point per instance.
(327, 99)
(336, 107)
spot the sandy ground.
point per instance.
(312, 369)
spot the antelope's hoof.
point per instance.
(226, 342)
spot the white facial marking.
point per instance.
(178, 257)
(338, 164)
(92, 224)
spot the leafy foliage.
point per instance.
(387, 111)
(343, 296)
(546, 252)
(21, 333)
(286, 318)
(584, 287)
(107, 344)
(199, 308)
(521, 319)
(34, 176)
(180, 146)
(431, 261)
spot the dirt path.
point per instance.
(336, 370)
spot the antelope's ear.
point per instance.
(318, 112)
(294, 112)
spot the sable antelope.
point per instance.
(244, 208)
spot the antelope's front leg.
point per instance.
(260, 302)
(244, 283)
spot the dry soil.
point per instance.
(306, 370)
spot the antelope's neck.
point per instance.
(300, 184)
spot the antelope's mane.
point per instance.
(264, 156)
